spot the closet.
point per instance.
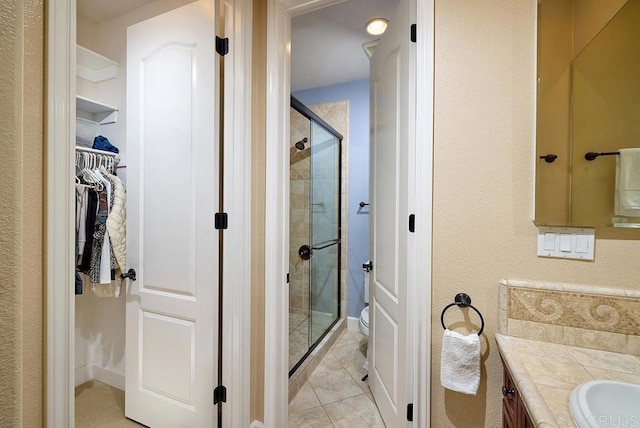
(99, 308)
(147, 81)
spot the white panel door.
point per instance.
(172, 171)
(392, 110)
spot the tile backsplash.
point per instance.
(571, 314)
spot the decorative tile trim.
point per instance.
(572, 314)
(613, 314)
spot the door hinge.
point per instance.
(287, 278)
(414, 34)
(221, 221)
(222, 45)
(412, 223)
(220, 394)
(410, 412)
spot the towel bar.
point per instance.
(462, 300)
(592, 155)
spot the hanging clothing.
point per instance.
(80, 192)
(117, 220)
(81, 219)
(92, 207)
(99, 240)
(95, 252)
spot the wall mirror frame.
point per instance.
(587, 100)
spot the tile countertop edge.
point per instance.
(540, 414)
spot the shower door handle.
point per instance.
(305, 252)
(326, 244)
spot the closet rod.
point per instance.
(99, 152)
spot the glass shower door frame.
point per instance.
(315, 119)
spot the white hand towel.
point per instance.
(627, 192)
(460, 365)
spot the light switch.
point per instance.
(582, 244)
(576, 243)
(549, 241)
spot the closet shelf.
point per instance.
(93, 66)
(95, 111)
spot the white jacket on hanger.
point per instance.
(117, 220)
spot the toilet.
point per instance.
(364, 321)
(364, 315)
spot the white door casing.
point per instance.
(61, 65)
(173, 164)
(392, 201)
(276, 222)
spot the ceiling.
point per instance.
(97, 11)
(326, 44)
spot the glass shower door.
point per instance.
(324, 269)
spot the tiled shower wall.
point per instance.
(299, 215)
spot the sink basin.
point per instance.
(605, 403)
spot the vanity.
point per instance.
(514, 411)
(553, 337)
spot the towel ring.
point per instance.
(462, 300)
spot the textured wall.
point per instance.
(483, 186)
(21, 196)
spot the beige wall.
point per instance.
(484, 126)
(258, 178)
(21, 218)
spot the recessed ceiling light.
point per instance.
(377, 26)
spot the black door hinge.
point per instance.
(220, 394)
(222, 45)
(410, 412)
(414, 35)
(287, 278)
(412, 223)
(221, 221)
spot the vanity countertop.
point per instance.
(545, 373)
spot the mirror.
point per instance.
(588, 100)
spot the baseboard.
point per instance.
(109, 377)
(353, 323)
(256, 424)
(83, 374)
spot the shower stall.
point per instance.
(314, 231)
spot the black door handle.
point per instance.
(131, 274)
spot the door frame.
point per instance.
(60, 16)
(279, 14)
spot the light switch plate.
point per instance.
(576, 243)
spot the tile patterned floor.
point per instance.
(335, 395)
